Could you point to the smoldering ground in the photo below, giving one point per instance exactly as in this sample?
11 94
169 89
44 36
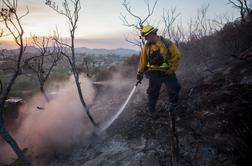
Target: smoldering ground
55 127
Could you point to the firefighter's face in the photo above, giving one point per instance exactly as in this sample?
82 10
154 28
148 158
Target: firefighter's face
151 38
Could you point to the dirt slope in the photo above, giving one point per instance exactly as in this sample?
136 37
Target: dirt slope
213 123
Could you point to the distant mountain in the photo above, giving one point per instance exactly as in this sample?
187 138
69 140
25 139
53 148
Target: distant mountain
102 51
82 50
28 49
31 49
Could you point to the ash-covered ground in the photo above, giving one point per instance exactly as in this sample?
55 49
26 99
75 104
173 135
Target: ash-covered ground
213 124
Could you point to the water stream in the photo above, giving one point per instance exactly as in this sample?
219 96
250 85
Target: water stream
115 116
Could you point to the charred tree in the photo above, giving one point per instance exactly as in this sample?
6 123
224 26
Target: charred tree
12 22
71 12
43 64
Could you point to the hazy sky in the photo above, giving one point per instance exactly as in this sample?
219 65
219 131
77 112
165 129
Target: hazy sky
100 25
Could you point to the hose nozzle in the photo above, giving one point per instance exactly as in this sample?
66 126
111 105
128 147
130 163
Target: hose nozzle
138 82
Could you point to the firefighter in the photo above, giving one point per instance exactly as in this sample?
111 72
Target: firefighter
159 60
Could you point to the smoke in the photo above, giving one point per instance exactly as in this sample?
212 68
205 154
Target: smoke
112 95
56 125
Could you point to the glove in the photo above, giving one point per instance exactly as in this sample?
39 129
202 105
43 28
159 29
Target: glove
139 77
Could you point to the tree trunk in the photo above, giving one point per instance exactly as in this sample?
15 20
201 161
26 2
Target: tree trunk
82 100
8 138
3 131
43 93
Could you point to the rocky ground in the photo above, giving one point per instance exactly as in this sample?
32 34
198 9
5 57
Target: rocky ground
213 124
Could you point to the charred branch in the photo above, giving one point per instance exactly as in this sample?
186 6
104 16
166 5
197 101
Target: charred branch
43 64
138 25
243 6
71 9
169 17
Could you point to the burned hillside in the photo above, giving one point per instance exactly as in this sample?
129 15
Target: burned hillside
60 106
212 120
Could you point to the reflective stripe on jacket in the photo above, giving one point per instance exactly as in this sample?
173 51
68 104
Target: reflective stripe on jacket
170 55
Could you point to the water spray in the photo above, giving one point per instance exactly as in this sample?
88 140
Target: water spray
114 117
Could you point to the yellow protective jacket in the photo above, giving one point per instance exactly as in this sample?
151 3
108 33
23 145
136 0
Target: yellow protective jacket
169 52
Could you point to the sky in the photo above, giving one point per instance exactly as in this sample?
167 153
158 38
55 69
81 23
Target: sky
100 24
